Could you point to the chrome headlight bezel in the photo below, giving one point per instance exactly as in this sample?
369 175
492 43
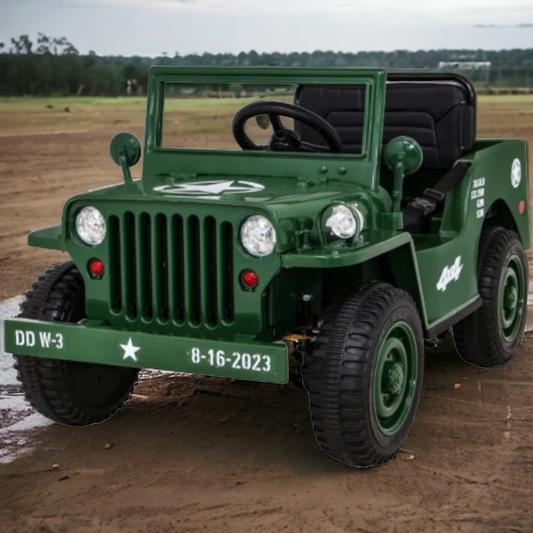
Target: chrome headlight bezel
258 236
342 222
90 226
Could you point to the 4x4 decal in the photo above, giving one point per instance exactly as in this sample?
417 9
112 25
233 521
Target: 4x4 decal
450 273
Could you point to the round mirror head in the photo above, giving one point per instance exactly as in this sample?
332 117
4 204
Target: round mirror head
125 144
404 149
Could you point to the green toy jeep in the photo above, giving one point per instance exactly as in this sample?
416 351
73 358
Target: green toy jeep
306 225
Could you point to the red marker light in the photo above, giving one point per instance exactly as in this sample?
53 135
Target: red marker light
96 267
521 207
250 279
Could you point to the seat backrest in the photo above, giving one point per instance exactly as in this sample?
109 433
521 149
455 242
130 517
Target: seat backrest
438 111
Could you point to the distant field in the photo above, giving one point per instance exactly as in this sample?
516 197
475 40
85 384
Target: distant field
506 98
506 116
202 119
31 102
21 102
38 116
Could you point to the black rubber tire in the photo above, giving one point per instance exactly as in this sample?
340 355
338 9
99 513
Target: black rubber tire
478 338
339 375
68 392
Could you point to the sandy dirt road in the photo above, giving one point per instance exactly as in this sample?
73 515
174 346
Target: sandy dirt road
243 457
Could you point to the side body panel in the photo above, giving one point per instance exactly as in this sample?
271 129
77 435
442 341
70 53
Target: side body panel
448 261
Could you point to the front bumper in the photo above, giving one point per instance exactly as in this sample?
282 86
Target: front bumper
88 343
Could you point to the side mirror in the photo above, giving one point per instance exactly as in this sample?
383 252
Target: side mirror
125 151
405 151
403 156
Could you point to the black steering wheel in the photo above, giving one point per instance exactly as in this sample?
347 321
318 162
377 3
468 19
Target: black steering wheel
283 139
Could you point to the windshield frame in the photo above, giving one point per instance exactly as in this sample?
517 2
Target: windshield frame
163 160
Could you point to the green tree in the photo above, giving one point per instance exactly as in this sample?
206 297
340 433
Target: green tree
55 46
22 45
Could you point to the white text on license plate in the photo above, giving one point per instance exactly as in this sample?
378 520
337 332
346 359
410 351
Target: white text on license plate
237 360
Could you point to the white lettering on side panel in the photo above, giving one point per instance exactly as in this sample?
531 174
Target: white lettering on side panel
478 195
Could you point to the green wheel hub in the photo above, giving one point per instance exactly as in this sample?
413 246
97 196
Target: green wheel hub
511 299
395 378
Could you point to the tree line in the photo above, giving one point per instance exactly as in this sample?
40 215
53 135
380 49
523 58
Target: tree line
53 66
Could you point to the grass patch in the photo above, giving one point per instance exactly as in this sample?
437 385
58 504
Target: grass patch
201 129
32 102
505 99
195 103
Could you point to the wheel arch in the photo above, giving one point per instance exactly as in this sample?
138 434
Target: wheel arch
500 214
384 268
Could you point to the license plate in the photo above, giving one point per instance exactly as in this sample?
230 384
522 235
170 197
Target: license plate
252 361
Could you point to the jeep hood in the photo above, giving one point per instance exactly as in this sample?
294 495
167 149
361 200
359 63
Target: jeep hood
281 196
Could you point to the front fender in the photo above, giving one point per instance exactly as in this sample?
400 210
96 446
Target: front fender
51 238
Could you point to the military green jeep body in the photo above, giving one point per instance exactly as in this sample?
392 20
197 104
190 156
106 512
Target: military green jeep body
369 221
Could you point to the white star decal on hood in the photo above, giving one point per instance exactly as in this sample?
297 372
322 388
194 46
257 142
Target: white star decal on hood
200 188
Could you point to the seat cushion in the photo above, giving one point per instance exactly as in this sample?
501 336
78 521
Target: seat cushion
342 107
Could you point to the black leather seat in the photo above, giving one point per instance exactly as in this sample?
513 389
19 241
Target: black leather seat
437 110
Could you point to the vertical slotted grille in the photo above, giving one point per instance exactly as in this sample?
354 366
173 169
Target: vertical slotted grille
129 265
210 271
144 274
173 269
226 265
116 301
192 269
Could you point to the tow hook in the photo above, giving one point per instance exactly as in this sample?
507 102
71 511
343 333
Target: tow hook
298 345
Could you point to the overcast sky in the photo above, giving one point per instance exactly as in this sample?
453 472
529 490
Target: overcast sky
150 27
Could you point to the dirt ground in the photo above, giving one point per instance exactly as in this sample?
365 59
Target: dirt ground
242 457
203 454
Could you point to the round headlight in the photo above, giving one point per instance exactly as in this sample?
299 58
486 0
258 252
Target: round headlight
342 222
258 236
90 225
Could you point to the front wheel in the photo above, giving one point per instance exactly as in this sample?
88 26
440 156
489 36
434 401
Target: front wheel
68 392
364 376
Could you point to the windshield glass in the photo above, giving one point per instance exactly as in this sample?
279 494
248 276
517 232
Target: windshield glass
199 115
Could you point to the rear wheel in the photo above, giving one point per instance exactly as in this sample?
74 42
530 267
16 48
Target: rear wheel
491 335
365 375
68 392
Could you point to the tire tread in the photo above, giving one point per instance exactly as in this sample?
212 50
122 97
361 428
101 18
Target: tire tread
336 371
477 337
44 381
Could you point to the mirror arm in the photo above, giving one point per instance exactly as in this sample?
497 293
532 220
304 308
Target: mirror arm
399 175
403 156
125 169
